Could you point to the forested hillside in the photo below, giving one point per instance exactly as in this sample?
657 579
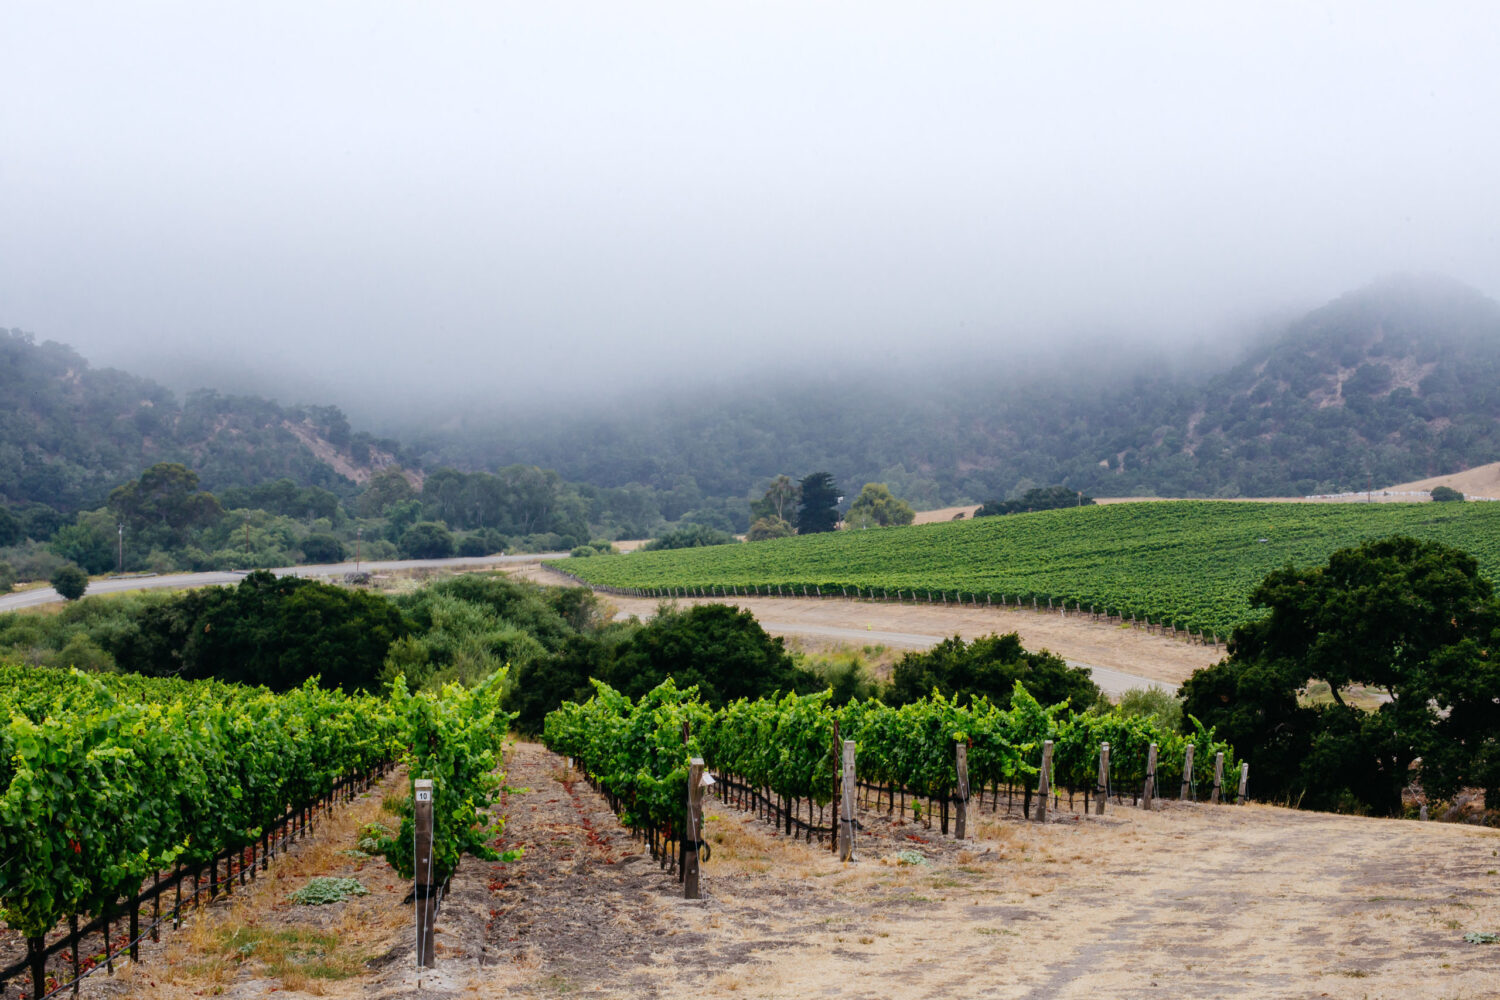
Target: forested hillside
1396 381
70 433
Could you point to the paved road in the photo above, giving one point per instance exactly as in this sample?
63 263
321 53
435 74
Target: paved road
46 595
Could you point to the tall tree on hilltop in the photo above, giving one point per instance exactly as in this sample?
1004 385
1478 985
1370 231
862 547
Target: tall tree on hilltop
819 510
875 507
779 503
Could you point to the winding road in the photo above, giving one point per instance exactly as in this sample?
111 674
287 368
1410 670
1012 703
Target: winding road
1118 661
176 581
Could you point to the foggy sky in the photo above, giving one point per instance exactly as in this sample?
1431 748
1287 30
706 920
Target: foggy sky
511 195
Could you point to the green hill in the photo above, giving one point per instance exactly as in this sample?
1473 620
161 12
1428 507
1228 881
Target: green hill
1189 563
70 433
1394 382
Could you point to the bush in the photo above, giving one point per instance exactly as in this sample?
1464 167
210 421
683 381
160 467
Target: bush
582 552
485 542
322 549
70 582
427 540
990 666
690 536
1153 703
1446 494
1048 498
32 560
7 578
769 527
843 673
721 649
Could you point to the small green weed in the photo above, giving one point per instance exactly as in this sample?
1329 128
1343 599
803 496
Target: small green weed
371 835
323 890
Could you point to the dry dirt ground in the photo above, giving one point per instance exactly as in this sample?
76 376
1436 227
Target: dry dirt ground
919 626
944 514
1188 901
1482 480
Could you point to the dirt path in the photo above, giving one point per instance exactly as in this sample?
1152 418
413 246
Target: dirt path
1187 901
1190 901
1125 651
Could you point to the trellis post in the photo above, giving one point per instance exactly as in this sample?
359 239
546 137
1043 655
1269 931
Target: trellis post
690 888
1150 790
846 821
961 765
1044 782
1101 793
422 863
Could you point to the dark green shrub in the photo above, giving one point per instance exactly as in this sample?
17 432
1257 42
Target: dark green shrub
70 582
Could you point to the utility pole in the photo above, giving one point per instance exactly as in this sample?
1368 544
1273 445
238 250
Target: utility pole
120 527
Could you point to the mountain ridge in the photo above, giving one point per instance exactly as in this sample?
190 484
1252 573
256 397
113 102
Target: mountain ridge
1393 382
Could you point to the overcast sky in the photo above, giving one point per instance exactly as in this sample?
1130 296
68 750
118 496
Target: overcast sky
506 193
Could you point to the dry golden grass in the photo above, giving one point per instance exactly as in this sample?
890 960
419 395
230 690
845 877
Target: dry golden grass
257 934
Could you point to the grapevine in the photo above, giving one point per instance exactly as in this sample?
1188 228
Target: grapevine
1184 565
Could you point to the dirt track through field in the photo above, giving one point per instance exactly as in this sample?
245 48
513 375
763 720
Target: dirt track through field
1140 656
1187 901
1190 901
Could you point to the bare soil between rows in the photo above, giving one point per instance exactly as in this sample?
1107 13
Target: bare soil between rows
1187 900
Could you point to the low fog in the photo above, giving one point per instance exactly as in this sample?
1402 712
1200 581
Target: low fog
418 206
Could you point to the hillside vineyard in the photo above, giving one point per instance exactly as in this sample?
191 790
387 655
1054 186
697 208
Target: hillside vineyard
1189 564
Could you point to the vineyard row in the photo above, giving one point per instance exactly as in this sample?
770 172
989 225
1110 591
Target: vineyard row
781 757
108 781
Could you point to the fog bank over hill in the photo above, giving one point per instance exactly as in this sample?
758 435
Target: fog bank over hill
1396 381
395 205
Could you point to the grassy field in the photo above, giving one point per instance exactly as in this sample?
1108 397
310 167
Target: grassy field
1191 563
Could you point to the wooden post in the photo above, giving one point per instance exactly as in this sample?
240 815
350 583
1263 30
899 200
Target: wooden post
1102 791
422 861
1187 773
1044 782
1244 781
846 821
1218 777
690 888
1150 791
73 943
837 747
961 764
36 959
